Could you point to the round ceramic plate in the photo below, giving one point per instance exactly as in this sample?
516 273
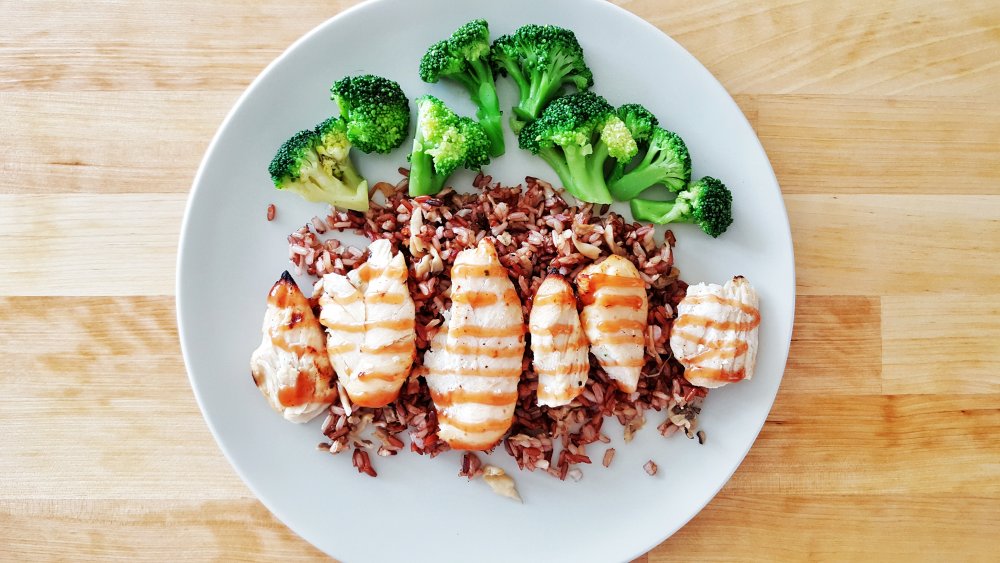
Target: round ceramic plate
418 508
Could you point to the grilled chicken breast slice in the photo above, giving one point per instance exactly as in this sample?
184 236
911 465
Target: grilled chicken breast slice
559 347
475 360
614 315
369 318
290 367
715 334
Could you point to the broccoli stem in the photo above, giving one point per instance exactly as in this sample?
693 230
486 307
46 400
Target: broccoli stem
635 182
523 85
494 130
586 185
482 89
660 212
598 159
351 175
539 92
552 157
543 88
423 179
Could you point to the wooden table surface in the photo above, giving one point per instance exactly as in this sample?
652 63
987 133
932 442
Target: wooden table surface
882 121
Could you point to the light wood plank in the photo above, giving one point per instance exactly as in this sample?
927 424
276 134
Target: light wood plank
144 530
836 346
756 526
942 346
145 45
113 416
106 142
122 244
89 327
852 144
911 47
872 445
876 527
895 245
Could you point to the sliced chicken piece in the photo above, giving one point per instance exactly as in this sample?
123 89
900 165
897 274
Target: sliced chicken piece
558 344
614 317
474 362
715 334
369 317
290 367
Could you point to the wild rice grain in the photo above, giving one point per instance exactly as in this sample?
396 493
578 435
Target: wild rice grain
609 454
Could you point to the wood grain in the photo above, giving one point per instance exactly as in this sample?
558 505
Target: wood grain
899 47
841 528
872 445
106 142
117 406
885 245
828 331
79 245
923 146
947 345
123 530
880 119
145 45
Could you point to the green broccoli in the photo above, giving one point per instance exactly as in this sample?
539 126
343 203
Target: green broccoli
707 203
666 162
541 59
375 111
641 123
316 164
465 58
576 135
444 141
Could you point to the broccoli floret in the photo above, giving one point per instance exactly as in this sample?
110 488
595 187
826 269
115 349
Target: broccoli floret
541 59
444 142
316 164
666 162
576 135
465 58
375 111
641 123
707 203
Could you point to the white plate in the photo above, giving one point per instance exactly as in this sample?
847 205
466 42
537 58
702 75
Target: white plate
418 508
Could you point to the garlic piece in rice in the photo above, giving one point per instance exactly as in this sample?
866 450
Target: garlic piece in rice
417 244
501 483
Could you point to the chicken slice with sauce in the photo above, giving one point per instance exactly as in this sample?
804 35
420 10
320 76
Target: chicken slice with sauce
290 367
559 347
369 317
474 363
715 334
614 314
